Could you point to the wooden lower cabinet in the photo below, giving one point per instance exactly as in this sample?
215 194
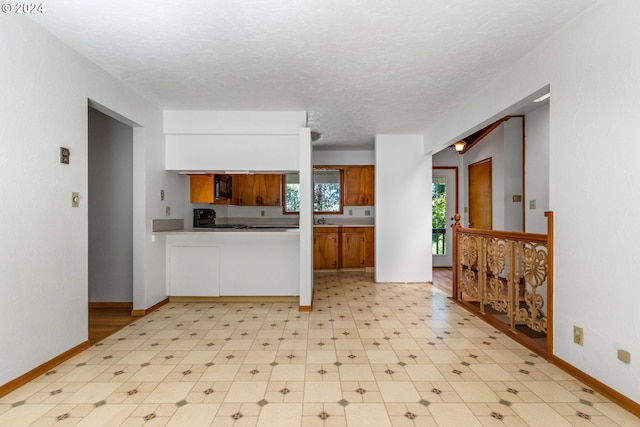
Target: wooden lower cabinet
325 249
343 247
353 245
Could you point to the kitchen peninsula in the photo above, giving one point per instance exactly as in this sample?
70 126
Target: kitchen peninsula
232 262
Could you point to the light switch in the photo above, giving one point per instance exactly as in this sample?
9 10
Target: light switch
516 198
161 195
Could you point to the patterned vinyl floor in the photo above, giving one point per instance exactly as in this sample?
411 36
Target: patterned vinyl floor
367 355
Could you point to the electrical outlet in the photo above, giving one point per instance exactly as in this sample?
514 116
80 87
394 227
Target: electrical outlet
167 211
262 212
578 335
350 212
532 204
367 212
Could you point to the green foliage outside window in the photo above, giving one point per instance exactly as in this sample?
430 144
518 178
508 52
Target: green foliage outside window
326 192
438 205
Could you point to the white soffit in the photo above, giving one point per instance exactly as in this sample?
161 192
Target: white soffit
357 67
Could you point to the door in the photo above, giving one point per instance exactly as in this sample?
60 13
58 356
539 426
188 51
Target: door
353 250
325 250
444 194
480 199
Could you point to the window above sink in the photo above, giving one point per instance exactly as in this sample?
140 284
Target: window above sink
327 191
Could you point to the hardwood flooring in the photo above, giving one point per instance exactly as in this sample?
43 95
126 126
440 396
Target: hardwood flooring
104 321
443 279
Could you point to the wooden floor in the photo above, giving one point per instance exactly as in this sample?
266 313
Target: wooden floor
104 321
443 279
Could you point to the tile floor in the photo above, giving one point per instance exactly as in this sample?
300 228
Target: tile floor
368 355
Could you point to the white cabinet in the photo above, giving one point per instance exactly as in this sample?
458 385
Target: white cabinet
232 263
194 271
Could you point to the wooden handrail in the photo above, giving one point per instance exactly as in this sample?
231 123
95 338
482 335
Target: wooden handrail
513 278
512 235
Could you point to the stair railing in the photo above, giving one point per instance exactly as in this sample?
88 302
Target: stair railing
507 279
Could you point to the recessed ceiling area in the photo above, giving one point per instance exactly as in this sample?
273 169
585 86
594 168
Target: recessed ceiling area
359 68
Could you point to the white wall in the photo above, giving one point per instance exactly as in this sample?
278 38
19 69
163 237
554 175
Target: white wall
504 147
44 268
591 67
403 209
512 158
490 147
537 167
110 209
343 157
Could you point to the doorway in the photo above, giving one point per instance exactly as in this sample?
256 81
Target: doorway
444 195
110 220
480 195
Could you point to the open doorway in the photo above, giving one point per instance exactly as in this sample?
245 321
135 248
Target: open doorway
110 219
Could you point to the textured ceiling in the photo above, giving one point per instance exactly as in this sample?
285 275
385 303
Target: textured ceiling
359 67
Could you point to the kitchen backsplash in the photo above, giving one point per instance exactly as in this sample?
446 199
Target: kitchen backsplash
231 211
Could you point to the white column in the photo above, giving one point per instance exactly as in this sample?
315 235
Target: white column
403 209
306 218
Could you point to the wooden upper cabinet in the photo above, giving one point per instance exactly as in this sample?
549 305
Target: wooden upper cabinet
359 185
202 190
257 190
242 189
271 190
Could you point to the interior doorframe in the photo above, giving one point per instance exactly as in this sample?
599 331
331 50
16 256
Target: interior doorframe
139 204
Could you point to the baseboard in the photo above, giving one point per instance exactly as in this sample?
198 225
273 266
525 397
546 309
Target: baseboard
308 307
138 313
44 368
111 305
240 298
603 389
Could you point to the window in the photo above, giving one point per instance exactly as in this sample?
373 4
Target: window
327 191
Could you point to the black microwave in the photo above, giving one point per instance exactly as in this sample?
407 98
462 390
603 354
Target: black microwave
222 186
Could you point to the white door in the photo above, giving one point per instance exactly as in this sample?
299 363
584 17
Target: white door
443 193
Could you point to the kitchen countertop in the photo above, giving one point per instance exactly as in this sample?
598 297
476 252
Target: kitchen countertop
227 230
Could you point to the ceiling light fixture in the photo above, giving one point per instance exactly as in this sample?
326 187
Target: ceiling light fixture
459 146
543 97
